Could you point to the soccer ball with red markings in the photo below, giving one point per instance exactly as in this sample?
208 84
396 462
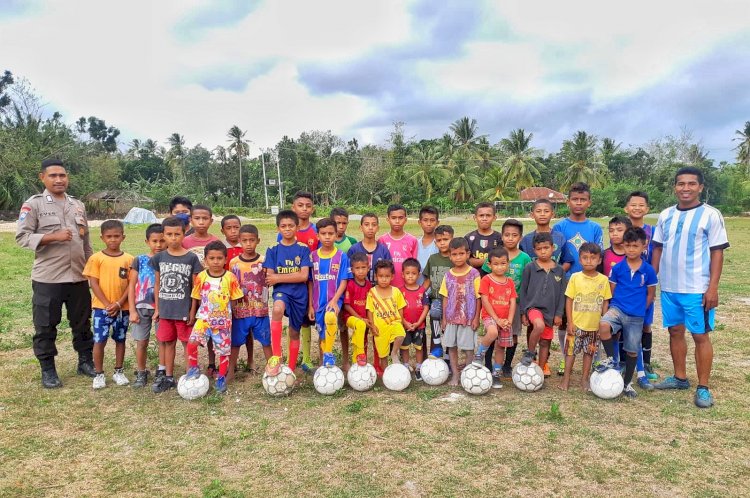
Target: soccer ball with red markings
193 388
529 378
476 379
434 371
328 380
607 384
281 384
361 378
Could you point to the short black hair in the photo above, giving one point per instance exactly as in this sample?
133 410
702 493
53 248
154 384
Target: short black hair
637 193
202 207
359 257
441 229
458 243
301 194
483 205
52 161
580 188
112 225
590 248
385 263
173 221
215 245
512 223
635 234
230 217
411 263
690 170
249 229
180 200
621 220
339 211
498 252
153 228
369 215
429 210
324 223
542 237
543 201
395 207
287 214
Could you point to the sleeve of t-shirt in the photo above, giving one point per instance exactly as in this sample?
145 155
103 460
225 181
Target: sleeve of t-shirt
306 257
484 285
347 295
235 292
92 267
658 237
486 266
476 287
415 248
196 294
426 269
561 302
426 297
369 304
570 290
525 276
197 266
651 278
607 292
154 262
346 273
513 294
443 288
717 233
135 265
598 235
398 299
613 274
269 261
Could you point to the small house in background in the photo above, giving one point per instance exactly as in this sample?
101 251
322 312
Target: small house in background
114 202
526 198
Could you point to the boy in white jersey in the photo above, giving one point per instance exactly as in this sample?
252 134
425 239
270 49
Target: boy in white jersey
689 243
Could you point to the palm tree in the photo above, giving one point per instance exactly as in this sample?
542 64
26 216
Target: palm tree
176 155
240 147
465 134
497 182
581 161
743 149
466 180
135 148
522 161
426 168
149 147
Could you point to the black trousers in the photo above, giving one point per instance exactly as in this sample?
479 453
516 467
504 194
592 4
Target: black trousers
47 301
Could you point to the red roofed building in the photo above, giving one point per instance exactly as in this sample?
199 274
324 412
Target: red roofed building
532 194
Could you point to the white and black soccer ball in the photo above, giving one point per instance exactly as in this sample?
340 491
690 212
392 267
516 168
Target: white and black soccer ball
396 377
193 388
607 384
361 378
328 380
434 371
281 384
529 378
476 379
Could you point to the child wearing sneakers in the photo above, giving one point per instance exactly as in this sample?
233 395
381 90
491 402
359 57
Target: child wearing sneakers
141 300
498 309
587 296
250 314
633 284
328 277
355 309
437 266
108 271
610 257
542 299
175 269
385 308
415 314
461 306
213 291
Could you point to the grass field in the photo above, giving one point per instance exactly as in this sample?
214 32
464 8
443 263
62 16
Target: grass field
421 442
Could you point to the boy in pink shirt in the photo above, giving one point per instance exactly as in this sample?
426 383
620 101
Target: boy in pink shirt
400 244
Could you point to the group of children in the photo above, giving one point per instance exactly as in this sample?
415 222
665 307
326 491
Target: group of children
225 294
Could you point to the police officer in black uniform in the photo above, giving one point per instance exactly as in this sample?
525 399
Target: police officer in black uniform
54 226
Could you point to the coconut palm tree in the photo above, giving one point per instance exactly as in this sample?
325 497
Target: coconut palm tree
176 155
465 180
522 161
240 147
581 161
743 149
497 182
466 136
426 168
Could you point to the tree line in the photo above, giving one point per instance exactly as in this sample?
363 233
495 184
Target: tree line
456 170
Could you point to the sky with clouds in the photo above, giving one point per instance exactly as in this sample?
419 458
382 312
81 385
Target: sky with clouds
629 70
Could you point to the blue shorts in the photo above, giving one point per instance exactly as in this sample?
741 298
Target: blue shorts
631 327
103 324
257 326
295 310
686 309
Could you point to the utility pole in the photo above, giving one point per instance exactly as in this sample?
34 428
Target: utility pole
281 185
239 163
265 182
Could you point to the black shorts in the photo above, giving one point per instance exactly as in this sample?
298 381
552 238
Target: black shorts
414 338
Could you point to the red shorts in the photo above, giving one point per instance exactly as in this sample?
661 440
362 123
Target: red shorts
171 330
534 314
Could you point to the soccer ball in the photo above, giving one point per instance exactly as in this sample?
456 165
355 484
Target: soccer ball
280 384
529 378
434 371
361 378
396 377
476 379
193 388
328 380
608 384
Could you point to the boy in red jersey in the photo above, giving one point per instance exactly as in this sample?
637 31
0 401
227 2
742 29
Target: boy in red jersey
415 314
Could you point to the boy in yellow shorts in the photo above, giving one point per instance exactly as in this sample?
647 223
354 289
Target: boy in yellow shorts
385 310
